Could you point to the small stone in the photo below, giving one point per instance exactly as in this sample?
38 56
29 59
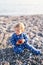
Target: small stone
40 34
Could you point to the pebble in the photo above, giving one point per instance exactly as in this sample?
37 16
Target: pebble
34 29
40 34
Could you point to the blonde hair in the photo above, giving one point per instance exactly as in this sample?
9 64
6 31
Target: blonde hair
20 25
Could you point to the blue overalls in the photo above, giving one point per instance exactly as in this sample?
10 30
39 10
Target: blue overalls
19 48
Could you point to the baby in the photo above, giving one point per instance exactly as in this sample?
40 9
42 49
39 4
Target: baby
20 40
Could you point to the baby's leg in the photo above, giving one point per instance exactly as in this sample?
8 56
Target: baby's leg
32 49
17 50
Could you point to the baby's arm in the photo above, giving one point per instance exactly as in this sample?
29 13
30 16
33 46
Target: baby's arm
12 39
26 37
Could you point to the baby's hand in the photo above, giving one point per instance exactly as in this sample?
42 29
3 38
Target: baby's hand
23 40
20 41
17 43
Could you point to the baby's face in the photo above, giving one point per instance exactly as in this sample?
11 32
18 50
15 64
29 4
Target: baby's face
18 31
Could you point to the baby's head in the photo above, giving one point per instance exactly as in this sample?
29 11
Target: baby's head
19 28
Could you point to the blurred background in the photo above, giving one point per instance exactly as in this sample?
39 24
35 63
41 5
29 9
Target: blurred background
21 7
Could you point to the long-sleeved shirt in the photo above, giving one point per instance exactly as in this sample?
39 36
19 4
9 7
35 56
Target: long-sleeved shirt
21 47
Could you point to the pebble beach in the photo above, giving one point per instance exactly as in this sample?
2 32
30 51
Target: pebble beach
33 28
